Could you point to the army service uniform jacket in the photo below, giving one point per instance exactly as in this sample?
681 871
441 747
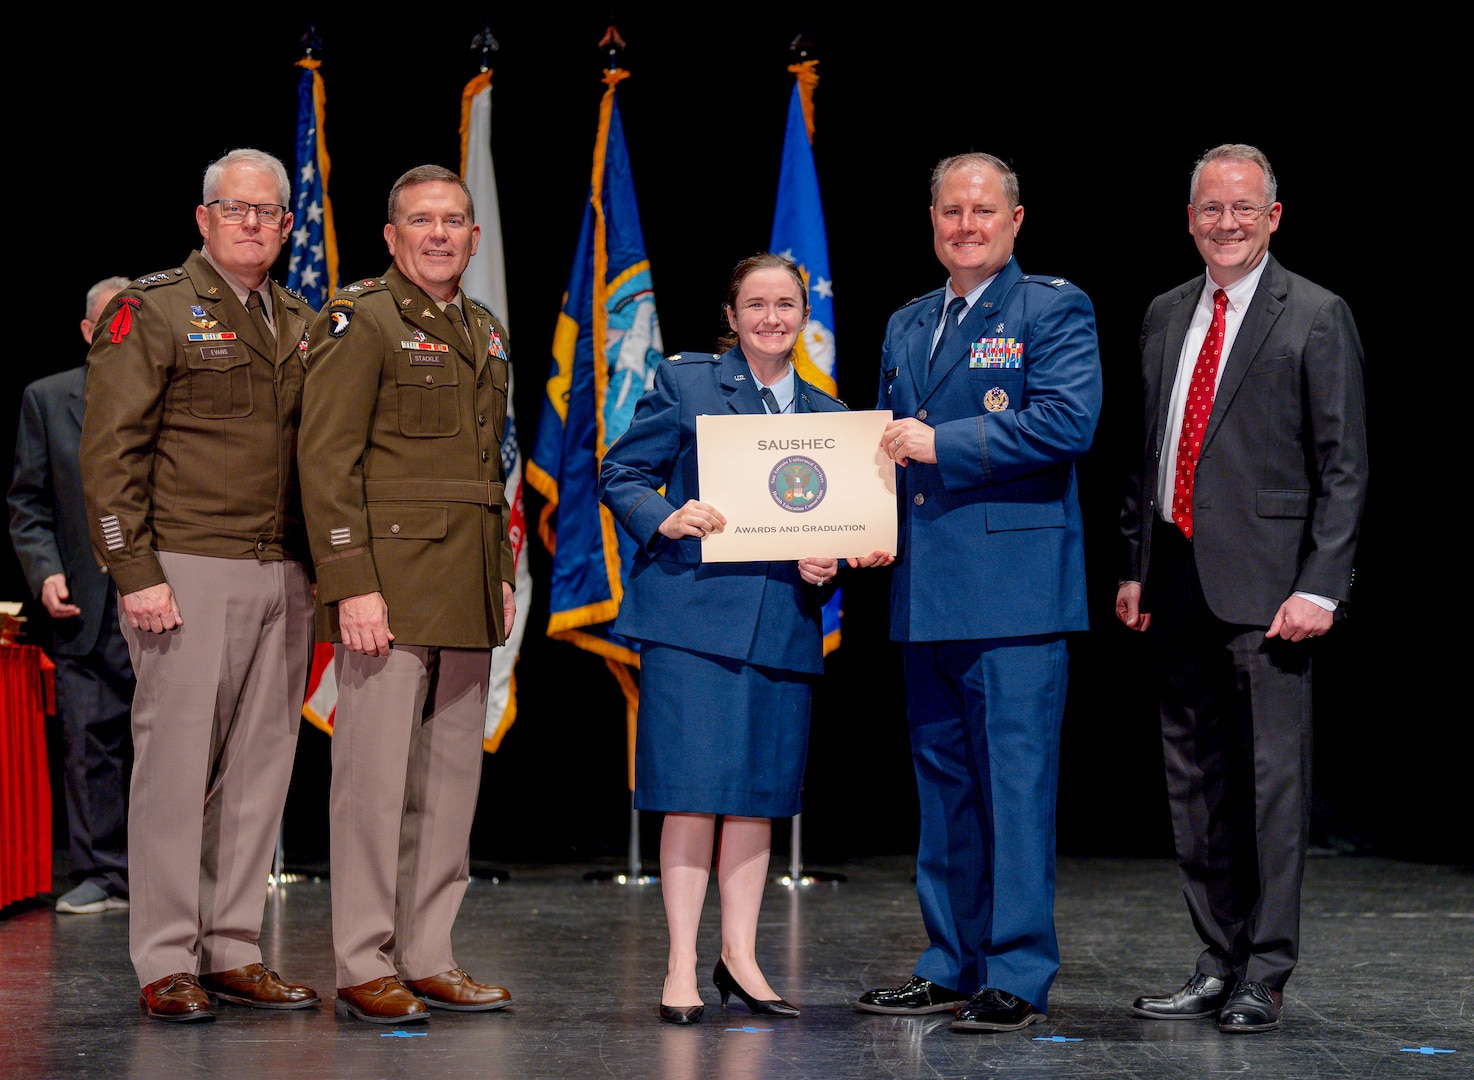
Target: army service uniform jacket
190 436
402 423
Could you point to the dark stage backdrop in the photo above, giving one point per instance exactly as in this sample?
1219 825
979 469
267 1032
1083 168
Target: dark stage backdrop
1103 131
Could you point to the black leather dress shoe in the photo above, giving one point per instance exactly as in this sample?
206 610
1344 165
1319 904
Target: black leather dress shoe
728 986
914 998
996 1010
1202 995
682 1014
1251 1007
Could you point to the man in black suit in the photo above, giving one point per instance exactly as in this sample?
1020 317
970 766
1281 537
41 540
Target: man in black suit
94 677
1240 524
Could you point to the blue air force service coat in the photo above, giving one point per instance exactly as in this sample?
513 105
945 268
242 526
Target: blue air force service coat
760 612
991 543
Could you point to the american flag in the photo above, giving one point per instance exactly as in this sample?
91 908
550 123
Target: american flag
313 270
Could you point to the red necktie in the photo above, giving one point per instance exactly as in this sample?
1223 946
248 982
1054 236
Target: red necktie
1195 413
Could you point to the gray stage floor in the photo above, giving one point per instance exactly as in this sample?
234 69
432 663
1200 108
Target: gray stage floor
1385 988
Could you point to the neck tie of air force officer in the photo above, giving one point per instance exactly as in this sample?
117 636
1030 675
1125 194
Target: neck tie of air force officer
949 327
769 399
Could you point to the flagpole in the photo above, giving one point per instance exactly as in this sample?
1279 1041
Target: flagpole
312 272
484 280
798 231
605 350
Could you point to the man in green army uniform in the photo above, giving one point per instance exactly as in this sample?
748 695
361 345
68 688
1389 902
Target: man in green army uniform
194 392
402 418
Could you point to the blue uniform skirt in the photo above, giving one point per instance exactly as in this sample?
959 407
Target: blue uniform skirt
719 736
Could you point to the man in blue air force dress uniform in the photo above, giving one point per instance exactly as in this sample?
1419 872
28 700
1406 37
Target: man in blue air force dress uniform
995 384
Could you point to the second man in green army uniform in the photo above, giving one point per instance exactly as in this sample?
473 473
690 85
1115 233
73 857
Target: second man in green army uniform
403 411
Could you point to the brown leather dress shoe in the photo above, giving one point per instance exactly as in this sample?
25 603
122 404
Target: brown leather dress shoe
458 991
380 1001
177 999
258 986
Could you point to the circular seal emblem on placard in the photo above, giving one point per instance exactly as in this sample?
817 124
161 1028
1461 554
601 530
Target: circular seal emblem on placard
797 484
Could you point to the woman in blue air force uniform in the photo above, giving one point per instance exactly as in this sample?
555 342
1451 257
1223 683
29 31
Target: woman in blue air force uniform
728 650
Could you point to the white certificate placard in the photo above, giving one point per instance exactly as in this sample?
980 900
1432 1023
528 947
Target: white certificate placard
797 485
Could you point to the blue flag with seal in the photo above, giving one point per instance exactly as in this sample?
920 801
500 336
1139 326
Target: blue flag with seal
605 352
313 270
798 232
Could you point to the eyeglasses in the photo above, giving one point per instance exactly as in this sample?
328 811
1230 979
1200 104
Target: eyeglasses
233 210
1242 212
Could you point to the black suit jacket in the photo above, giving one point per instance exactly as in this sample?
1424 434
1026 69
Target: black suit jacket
1282 477
48 519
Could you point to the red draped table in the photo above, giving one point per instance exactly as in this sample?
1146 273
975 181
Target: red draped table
27 695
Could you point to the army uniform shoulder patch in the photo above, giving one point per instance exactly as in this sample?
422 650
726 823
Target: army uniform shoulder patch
122 321
338 319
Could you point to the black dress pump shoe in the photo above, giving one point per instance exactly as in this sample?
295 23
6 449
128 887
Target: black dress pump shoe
727 986
681 1014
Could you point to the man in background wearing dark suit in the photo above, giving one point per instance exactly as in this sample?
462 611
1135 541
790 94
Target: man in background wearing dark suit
94 677
1240 524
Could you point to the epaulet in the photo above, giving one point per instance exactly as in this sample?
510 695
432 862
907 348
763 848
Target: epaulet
365 286
163 277
825 393
695 357
928 297
296 295
1035 279
482 305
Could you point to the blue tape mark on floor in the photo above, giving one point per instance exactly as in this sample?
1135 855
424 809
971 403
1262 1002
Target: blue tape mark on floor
750 1030
1426 1050
403 1034
1055 1038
